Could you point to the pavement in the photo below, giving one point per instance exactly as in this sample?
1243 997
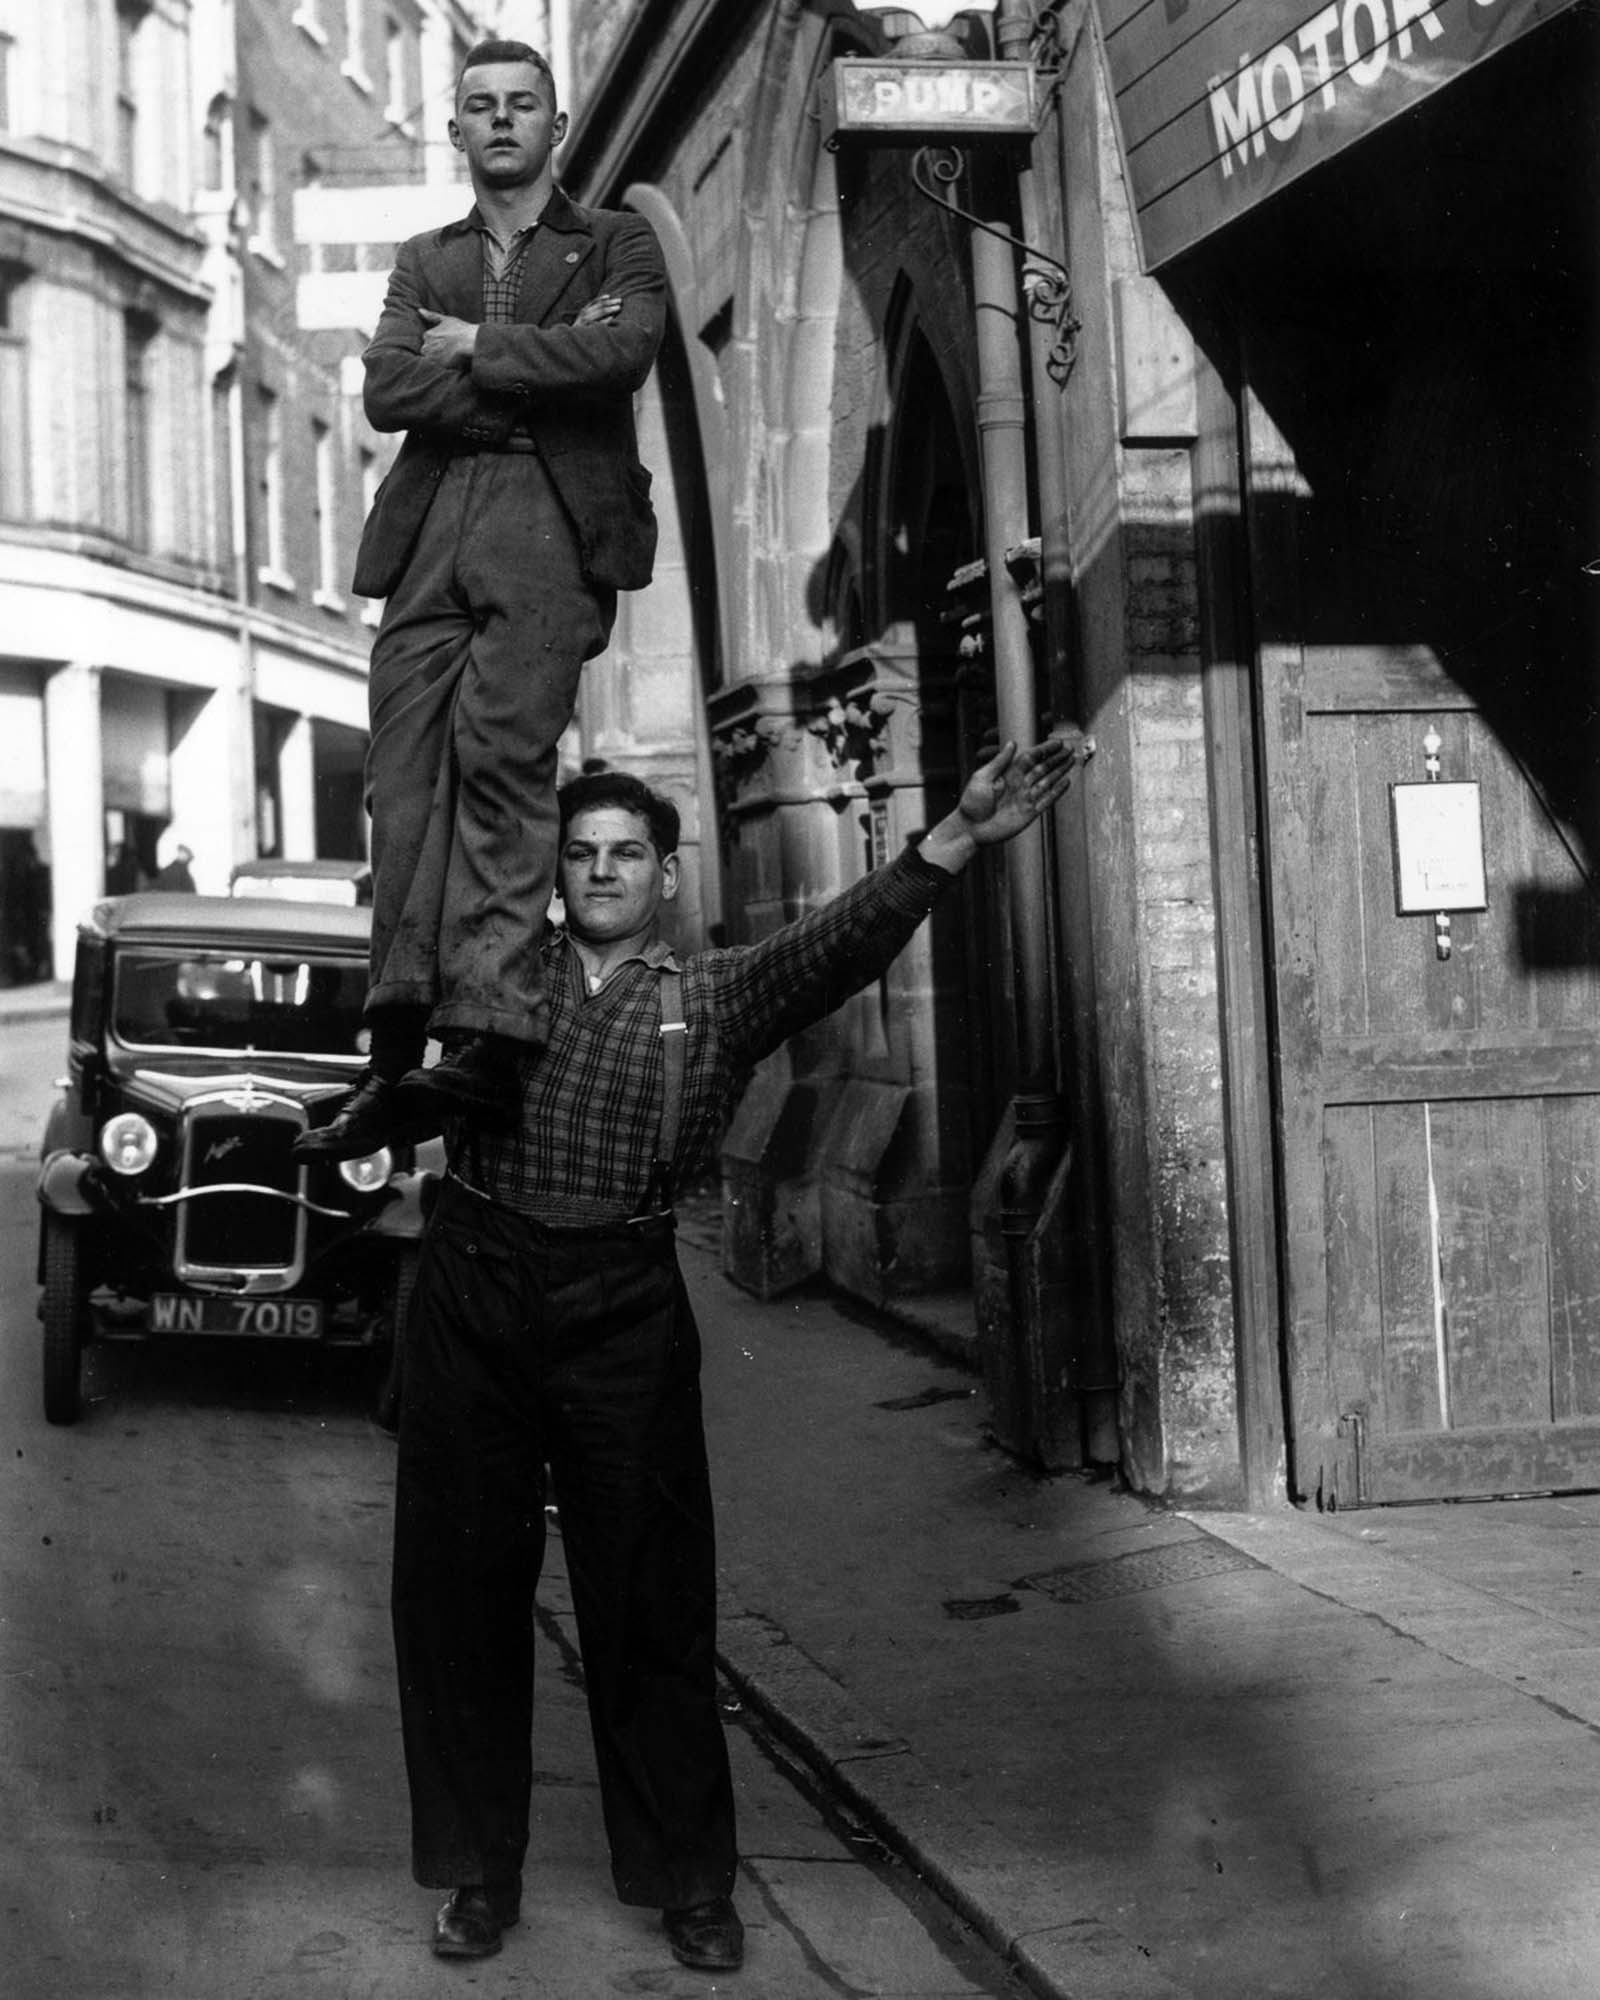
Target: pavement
1149 1752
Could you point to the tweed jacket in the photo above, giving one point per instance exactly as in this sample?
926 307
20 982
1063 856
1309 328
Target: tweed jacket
571 387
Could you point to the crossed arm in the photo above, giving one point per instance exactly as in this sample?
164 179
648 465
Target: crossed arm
431 371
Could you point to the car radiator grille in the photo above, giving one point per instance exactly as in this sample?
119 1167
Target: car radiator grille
249 1231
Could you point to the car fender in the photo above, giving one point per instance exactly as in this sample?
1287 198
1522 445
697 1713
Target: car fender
67 1128
66 1183
406 1214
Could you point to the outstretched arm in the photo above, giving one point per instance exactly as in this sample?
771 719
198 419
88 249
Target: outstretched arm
1002 797
796 975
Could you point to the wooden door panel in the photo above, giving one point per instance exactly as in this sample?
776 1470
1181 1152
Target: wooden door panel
1381 1299
1488 1163
1341 959
1572 1183
1473 1464
1463 1279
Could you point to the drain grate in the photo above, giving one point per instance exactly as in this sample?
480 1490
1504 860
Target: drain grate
1143 1569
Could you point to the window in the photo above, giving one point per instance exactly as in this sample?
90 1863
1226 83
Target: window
138 342
273 571
130 19
308 19
216 150
326 504
263 192
394 71
355 44
7 51
13 396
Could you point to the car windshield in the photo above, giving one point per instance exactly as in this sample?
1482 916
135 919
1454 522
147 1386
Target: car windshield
211 1000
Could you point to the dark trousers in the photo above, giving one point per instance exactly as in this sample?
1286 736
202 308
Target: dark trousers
474 676
576 1350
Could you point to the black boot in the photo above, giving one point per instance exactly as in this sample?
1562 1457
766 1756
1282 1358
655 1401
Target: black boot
371 1116
470 1924
707 1936
477 1078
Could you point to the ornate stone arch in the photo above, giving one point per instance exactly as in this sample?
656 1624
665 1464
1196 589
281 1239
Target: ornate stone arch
705 390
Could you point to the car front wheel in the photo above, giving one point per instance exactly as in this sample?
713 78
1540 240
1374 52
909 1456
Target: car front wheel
65 1303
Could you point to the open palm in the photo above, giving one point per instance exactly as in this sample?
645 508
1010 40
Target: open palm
1013 789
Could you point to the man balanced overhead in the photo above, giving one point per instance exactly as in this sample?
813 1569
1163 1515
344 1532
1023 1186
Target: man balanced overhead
550 1327
509 349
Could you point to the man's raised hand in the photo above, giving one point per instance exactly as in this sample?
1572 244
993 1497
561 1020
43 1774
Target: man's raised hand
1014 788
1002 797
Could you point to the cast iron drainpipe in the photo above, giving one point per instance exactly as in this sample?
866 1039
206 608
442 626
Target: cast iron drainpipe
1038 1121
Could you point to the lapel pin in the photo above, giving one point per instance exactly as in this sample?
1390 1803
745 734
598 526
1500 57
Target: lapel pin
573 256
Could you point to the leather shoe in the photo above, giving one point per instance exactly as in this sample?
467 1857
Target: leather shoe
372 1116
476 1078
707 1936
470 1924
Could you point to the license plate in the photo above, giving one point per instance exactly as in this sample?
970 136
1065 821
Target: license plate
267 1319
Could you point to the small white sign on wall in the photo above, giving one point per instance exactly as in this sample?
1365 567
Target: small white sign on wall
1438 848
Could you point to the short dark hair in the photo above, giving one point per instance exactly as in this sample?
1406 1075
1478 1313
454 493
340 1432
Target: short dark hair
495 50
621 789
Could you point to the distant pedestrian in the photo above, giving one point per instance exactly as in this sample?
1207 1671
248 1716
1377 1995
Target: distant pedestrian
550 1326
175 875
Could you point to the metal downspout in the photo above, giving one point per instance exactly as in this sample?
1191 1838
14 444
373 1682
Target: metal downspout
1044 224
1038 1127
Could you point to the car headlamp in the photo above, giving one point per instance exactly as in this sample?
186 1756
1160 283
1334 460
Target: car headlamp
369 1173
127 1143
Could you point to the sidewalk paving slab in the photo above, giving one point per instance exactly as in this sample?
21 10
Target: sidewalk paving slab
1273 1755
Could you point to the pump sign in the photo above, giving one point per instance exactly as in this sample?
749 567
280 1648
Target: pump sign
1222 102
910 102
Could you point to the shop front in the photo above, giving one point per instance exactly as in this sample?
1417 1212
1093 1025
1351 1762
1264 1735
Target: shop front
1392 286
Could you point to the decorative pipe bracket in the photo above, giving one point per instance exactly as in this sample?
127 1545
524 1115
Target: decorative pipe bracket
1046 281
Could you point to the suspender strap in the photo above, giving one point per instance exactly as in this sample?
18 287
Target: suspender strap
674 1037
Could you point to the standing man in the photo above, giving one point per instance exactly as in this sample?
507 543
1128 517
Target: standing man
509 349
550 1326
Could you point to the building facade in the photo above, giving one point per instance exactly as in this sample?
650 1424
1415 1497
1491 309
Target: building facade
184 466
1257 450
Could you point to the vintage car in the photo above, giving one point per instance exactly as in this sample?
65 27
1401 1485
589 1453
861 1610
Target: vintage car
206 1033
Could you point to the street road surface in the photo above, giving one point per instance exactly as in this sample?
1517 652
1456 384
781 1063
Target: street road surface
200 1776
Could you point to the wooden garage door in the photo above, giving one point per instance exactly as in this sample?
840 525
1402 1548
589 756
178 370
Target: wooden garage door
1448 1125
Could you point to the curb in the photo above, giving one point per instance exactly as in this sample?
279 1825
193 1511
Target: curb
36 1004
1012 1899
